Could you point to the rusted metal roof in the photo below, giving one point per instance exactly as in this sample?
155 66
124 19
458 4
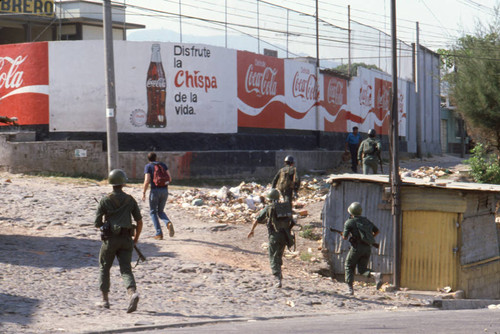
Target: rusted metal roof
411 181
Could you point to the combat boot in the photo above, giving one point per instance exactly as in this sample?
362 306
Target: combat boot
277 284
105 301
378 279
350 290
134 300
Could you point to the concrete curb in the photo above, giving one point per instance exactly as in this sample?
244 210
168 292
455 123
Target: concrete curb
198 323
463 304
451 304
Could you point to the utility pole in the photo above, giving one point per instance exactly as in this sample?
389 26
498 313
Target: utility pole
318 120
394 176
349 40
111 129
418 95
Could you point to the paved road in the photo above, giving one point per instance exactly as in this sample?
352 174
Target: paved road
428 321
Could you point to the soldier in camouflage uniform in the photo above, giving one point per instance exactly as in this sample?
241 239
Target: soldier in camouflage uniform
369 153
360 252
278 238
117 209
287 180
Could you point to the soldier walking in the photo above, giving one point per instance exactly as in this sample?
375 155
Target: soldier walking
369 153
287 180
117 232
278 218
361 233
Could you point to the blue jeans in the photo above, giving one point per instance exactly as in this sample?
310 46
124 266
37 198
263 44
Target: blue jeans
157 201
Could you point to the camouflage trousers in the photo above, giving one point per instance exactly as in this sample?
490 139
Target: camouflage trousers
370 165
357 257
277 244
121 247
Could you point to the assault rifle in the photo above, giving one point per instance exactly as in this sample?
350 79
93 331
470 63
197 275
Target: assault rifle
141 257
352 240
380 161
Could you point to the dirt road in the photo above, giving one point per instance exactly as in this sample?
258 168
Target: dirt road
209 270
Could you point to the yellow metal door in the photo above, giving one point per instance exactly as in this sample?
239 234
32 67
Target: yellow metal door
429 256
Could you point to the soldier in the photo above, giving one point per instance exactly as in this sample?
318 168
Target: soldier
362 232
117 232
278 218
287 180
369 153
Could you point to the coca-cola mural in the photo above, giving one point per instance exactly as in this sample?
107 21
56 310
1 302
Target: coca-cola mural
369 102
302 95
275 93
261 91
160 87
337 112
174 87
24 82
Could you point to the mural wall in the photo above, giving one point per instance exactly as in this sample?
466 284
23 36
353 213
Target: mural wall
173 87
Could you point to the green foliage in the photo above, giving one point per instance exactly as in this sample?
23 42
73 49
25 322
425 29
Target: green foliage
485 167
474 82
308 233
354 68
305 256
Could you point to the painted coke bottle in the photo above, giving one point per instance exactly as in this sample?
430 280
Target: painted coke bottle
156 86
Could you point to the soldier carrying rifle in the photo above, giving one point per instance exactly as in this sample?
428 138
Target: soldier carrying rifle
278 218
369 153
118 237
361 233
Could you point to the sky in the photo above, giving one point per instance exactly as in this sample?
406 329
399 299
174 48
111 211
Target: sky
289 26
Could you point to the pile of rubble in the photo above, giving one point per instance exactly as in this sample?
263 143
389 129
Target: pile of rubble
240 204
432 173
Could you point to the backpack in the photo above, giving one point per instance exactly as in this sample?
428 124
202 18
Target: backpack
286 180
372 147
281 215
160 175
365 231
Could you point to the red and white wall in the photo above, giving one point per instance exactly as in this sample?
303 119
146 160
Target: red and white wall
209 90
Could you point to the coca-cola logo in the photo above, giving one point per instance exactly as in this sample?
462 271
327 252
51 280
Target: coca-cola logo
10 75
365 94
335 92
401 103
158 83
262 83
305 85
383 98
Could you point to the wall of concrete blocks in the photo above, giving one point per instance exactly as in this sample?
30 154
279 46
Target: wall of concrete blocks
19 154
481 281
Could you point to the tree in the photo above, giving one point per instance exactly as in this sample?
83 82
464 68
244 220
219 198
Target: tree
354 68
475 83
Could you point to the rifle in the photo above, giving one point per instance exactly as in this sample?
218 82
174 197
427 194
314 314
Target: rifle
352 240
380 161
141 257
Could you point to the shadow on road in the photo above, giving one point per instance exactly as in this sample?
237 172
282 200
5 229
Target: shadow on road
234 248
17 309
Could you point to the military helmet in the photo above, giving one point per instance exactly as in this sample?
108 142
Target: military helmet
372 133
289 159
273 195
117 177
355 209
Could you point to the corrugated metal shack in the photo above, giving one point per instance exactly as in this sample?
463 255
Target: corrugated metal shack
449 233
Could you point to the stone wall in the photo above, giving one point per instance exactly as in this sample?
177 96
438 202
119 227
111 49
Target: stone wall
481 280
87 158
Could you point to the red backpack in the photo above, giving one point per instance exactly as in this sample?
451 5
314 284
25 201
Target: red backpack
160 175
